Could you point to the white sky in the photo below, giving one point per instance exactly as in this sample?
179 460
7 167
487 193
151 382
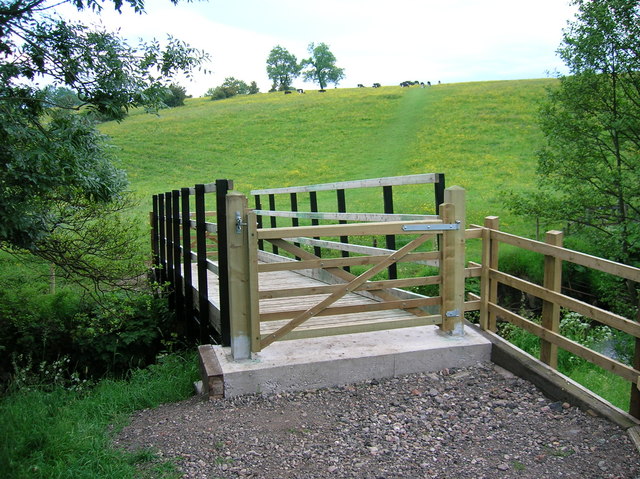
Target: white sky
373 40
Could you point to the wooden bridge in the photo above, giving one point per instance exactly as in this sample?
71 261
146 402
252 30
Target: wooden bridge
255 276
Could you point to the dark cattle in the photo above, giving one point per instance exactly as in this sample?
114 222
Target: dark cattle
404 84
300 90
429 83
360 85
376 85
287 92
421 84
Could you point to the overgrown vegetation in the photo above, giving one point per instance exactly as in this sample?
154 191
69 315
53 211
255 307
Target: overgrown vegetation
65 430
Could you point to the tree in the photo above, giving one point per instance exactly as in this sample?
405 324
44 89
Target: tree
61 197
589 170
282 68
321 67
232 87
175 95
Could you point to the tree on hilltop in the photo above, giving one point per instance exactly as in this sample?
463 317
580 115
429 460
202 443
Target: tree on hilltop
321 67
282 68
60 193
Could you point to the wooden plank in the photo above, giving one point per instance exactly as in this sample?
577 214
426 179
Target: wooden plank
362 327
369 285
238 273
339 262
344 185
357 308
590 355
551 310
362 217
340 274
354 248
473 233
346 288
452 262
600 264
585 309
252 257
359 229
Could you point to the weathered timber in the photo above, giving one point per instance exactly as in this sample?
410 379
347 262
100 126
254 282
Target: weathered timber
551 310
344 185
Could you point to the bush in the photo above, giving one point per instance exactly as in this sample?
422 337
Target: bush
175 96
112 335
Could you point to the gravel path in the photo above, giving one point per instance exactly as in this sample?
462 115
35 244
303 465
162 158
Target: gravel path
478 422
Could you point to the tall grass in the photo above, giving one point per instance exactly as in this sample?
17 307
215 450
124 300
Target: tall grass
63 433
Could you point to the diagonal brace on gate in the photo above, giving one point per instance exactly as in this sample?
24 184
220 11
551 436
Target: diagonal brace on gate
345 289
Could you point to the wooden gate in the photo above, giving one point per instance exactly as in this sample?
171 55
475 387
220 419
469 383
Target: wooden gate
339 308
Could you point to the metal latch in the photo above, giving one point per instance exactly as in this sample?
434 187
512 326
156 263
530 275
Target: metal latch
453 313
239 223
436 227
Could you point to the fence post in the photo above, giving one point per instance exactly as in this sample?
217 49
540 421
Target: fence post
488 287
551 311
222 188
155 239
170 275
238 276
201 248
177 256
162 241
387 198
452 262
187 274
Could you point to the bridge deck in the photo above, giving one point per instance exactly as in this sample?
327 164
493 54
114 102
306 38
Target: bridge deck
319 325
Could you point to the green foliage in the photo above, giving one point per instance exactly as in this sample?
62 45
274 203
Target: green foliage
282 68
38 329
58 433
592 335
232 87
589 169
321 66
175 96
59 184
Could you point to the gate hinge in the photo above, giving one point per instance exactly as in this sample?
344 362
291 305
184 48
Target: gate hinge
453 313
436 227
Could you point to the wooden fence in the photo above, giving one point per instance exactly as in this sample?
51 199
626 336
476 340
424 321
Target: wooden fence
329 250
550 292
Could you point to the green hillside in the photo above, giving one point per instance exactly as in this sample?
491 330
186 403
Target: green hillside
482 135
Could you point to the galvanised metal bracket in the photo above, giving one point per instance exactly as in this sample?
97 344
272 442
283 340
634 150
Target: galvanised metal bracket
436 227
453 314
239 223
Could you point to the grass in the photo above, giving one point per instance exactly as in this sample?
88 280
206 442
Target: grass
482 135
62 433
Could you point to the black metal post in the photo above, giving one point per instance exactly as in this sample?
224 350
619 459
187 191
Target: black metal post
155 239
169 234
342 208
162 274
294 221
387 193
313 202
177 263
222 187
273 220
187 275
258 203
201 246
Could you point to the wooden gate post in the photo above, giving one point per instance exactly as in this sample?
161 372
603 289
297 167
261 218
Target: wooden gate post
551 311
453 262
239 276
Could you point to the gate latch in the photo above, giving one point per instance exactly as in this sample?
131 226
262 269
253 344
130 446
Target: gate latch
239 223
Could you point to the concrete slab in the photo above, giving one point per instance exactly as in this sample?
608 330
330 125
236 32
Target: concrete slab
336 360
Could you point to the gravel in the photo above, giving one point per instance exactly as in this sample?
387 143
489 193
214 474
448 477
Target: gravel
478 422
